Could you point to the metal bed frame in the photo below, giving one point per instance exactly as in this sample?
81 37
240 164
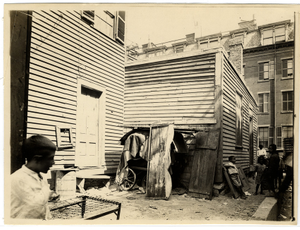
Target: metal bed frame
84 207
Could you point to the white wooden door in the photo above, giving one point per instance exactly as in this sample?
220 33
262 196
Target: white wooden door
88 140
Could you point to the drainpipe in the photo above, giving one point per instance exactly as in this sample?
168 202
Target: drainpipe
272 102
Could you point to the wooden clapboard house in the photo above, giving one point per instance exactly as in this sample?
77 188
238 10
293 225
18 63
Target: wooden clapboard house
198 91
67 83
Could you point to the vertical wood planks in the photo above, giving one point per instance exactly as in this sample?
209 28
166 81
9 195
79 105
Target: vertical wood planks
159 182
204 164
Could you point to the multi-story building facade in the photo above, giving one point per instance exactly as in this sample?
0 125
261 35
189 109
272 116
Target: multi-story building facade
269 73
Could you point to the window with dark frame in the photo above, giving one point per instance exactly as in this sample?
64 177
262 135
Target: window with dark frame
268 37
273 35
263 71
287 101
239 118
263 133
179 49
263 102
88 16
285 131
287 68
279 34
120 33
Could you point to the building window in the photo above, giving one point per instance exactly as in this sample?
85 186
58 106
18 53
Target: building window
239 118
204 44
263 136
282 133
88 16
263 102
279 34
287 68
287 101
271 36
268 37
263 71
279 139
120 30
179 49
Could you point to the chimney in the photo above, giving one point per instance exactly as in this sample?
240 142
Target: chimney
190 38
250 25
236 52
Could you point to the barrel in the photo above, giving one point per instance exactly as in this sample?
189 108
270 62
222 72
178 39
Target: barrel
65 185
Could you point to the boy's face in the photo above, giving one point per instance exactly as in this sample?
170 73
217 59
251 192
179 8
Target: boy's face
233 160
46 162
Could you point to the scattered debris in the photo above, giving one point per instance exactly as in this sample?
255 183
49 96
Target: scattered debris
150 206
219 186
178 191
284 217
141 190
247 193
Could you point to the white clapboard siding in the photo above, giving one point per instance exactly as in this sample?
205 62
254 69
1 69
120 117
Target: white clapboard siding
63 49
232 83
178 89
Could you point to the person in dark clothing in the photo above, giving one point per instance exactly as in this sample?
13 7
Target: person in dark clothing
234 176
260 169
273 168
288 158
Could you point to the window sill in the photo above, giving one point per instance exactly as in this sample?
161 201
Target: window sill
261 81
286 78
283 112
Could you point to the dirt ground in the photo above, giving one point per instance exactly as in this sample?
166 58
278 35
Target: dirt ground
180 206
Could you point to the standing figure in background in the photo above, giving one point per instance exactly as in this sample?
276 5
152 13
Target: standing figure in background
234 176
262 151
273 168
260 169
29 190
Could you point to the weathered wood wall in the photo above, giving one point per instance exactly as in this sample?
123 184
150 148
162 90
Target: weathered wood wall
179 90
20 25
64 49
232 84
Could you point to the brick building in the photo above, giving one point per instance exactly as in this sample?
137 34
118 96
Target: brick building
269 73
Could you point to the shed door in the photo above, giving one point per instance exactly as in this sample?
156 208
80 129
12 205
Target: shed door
88 127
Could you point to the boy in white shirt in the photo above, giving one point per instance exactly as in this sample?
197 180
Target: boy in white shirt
29 191
262 152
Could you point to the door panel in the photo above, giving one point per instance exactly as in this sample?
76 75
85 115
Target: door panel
88 127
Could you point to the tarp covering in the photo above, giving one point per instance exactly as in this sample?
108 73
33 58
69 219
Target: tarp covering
136 146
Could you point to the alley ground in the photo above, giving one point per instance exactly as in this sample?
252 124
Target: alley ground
181 207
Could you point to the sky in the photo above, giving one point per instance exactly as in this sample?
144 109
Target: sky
170 22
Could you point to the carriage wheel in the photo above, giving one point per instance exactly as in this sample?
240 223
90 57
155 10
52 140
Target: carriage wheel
129 179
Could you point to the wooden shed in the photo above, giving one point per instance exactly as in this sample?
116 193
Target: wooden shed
72 82
197 91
